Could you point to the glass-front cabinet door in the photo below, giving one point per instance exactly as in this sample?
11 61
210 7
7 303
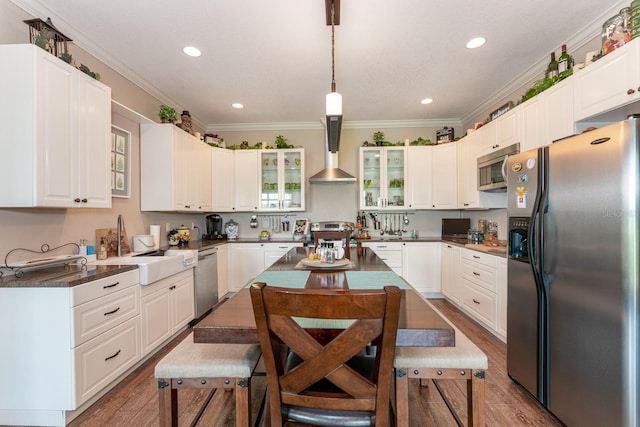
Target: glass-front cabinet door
383 172
282 180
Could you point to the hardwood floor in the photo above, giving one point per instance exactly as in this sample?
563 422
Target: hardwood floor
135 401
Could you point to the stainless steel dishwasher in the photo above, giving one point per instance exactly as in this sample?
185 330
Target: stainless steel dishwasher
206 281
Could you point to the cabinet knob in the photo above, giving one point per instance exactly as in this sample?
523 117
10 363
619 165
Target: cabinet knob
84 200
630 92
475 301
77 200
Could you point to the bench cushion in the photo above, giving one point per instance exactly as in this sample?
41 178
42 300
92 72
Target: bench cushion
464 355
197 360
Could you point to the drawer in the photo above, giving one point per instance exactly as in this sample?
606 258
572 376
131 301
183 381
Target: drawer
480 274
480 303
383 246
102 287
101 360
393 259
480 257
99 315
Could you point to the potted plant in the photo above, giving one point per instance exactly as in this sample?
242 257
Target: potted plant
167 114
378 137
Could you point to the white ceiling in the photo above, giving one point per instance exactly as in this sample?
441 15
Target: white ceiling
275 56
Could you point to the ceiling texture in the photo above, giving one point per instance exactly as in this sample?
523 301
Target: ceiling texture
275 56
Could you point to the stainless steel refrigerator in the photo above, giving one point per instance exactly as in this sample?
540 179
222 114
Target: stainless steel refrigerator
573 294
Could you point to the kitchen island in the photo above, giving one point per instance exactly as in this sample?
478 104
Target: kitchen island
419 324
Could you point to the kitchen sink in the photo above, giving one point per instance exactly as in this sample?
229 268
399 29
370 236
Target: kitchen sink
153 268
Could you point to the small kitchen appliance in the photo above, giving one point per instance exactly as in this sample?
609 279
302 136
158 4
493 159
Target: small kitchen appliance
214 228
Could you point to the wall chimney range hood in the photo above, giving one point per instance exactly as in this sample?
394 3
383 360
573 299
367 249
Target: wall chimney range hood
331 171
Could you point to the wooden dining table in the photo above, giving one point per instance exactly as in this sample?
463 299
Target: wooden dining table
419 325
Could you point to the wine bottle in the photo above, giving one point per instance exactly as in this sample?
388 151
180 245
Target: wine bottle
564 61
552 68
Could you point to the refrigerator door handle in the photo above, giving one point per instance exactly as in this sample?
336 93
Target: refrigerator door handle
504 168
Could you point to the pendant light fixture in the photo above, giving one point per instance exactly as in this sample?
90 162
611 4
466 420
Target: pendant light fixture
334 99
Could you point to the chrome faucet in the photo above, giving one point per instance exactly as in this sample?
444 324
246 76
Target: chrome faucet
119 232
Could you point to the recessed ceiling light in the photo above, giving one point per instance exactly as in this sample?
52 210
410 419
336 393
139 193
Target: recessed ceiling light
237 105
426 101
476 42
192 51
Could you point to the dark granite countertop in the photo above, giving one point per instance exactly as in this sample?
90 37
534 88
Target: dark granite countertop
61 277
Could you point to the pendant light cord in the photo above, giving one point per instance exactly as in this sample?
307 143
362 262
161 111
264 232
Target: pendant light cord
333 55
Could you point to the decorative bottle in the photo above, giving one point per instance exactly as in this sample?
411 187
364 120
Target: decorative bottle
564 60
552 68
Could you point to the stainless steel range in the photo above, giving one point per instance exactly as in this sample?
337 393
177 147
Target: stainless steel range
332 226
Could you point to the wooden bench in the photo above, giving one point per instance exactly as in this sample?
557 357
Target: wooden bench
193 365
464 361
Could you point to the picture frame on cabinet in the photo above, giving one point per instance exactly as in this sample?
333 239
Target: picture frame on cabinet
120 162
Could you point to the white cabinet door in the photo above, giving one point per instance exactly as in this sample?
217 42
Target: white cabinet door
246 261
56 131
444 176
419 178
223 270
531 129
501 326
223 180
204 178
421 265
451 272
282 180
383 174
608 83
557 111
182 302
274 251
467 171
508 128
246 180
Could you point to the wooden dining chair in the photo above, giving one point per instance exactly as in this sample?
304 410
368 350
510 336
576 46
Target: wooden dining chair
331 385
334 235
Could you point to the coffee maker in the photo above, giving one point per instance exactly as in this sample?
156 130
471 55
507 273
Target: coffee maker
214 228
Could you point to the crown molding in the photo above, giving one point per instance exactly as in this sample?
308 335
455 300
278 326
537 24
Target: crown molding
371 124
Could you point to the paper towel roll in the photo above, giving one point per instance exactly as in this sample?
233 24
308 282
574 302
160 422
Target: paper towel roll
154 230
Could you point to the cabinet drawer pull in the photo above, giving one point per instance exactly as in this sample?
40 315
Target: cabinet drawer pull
172 287
111 357
630 92
112 311
476 257
381 246
475 301
111 286
476 274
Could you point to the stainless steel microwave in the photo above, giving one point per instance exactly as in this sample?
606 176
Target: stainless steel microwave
491 173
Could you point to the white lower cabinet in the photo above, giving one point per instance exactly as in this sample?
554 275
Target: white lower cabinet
476 282
451 278
246 261
223 270
421 265
389 252
274 251
66 345
166 307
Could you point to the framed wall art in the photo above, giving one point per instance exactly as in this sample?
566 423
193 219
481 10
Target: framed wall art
120 162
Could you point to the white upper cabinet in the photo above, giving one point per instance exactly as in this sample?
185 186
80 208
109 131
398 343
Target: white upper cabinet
175 170
282 182
444 177
223 180
419 178
246 178
608 83
56 124
383 173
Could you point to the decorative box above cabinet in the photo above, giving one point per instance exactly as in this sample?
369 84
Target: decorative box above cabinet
175 171
56 127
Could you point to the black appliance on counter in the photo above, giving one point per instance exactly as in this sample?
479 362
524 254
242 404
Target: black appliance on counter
455 228
214 228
